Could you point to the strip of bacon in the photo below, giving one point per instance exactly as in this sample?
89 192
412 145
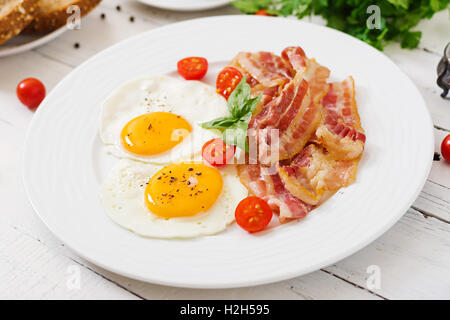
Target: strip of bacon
313 175
266 74
296 57
294 113
341 132
264 67
269 187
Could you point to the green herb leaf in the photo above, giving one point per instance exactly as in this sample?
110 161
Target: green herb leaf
236 135
219 123
234 127
411 40
238 98
398 17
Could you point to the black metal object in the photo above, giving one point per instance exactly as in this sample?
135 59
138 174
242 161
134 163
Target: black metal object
443 71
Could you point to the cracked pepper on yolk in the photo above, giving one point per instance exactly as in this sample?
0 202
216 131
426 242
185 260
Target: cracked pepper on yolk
154 133
183 189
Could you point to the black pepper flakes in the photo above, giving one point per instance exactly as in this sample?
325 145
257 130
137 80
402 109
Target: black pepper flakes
119 8
103 16
191 169
76 45
198 173
131 19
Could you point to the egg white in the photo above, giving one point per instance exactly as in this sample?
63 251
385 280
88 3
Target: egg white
123 194
196 102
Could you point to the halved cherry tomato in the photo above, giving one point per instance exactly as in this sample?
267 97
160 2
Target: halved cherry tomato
192 68
227 81
253 214
445 148
262 12
217 153
31 92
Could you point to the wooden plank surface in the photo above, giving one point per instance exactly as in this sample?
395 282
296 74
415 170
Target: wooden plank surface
413 257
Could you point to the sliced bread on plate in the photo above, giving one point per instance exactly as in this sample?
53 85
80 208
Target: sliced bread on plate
52 14
15 15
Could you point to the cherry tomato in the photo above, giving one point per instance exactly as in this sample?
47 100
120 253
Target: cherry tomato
217 153
227 81
253 214
192 68
31 92
262 12
445 148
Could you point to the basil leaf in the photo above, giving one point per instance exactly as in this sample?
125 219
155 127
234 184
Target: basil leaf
219 123
236 135
248 107
238 97
241 107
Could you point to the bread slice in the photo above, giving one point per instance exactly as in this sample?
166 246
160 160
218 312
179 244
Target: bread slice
15 15
52 14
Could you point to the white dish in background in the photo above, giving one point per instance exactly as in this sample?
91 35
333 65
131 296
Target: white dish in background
25 42
65 162
186 5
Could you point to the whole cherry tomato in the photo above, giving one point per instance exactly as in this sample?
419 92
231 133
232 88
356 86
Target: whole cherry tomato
445 148
227 81
193 68
31 92
253 214
217 153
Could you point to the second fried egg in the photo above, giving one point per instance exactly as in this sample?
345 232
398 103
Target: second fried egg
181 200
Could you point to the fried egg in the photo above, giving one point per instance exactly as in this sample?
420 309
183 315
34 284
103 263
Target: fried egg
156 119
180 200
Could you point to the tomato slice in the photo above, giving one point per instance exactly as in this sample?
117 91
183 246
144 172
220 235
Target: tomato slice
227 81
262 12
253 214
192 68
217 153
445 148
31 92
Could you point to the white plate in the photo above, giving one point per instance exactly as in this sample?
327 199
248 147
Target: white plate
65 163
186 5
25 42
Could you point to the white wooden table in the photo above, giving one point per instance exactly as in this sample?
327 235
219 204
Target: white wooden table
413 256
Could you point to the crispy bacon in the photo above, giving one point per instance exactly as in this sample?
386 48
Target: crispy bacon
266 74
341 132
313 72
304 110
296 58
264 67
294 113
269 187
313 175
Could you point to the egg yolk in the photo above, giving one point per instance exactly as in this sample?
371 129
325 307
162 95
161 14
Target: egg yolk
183 190
154 133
